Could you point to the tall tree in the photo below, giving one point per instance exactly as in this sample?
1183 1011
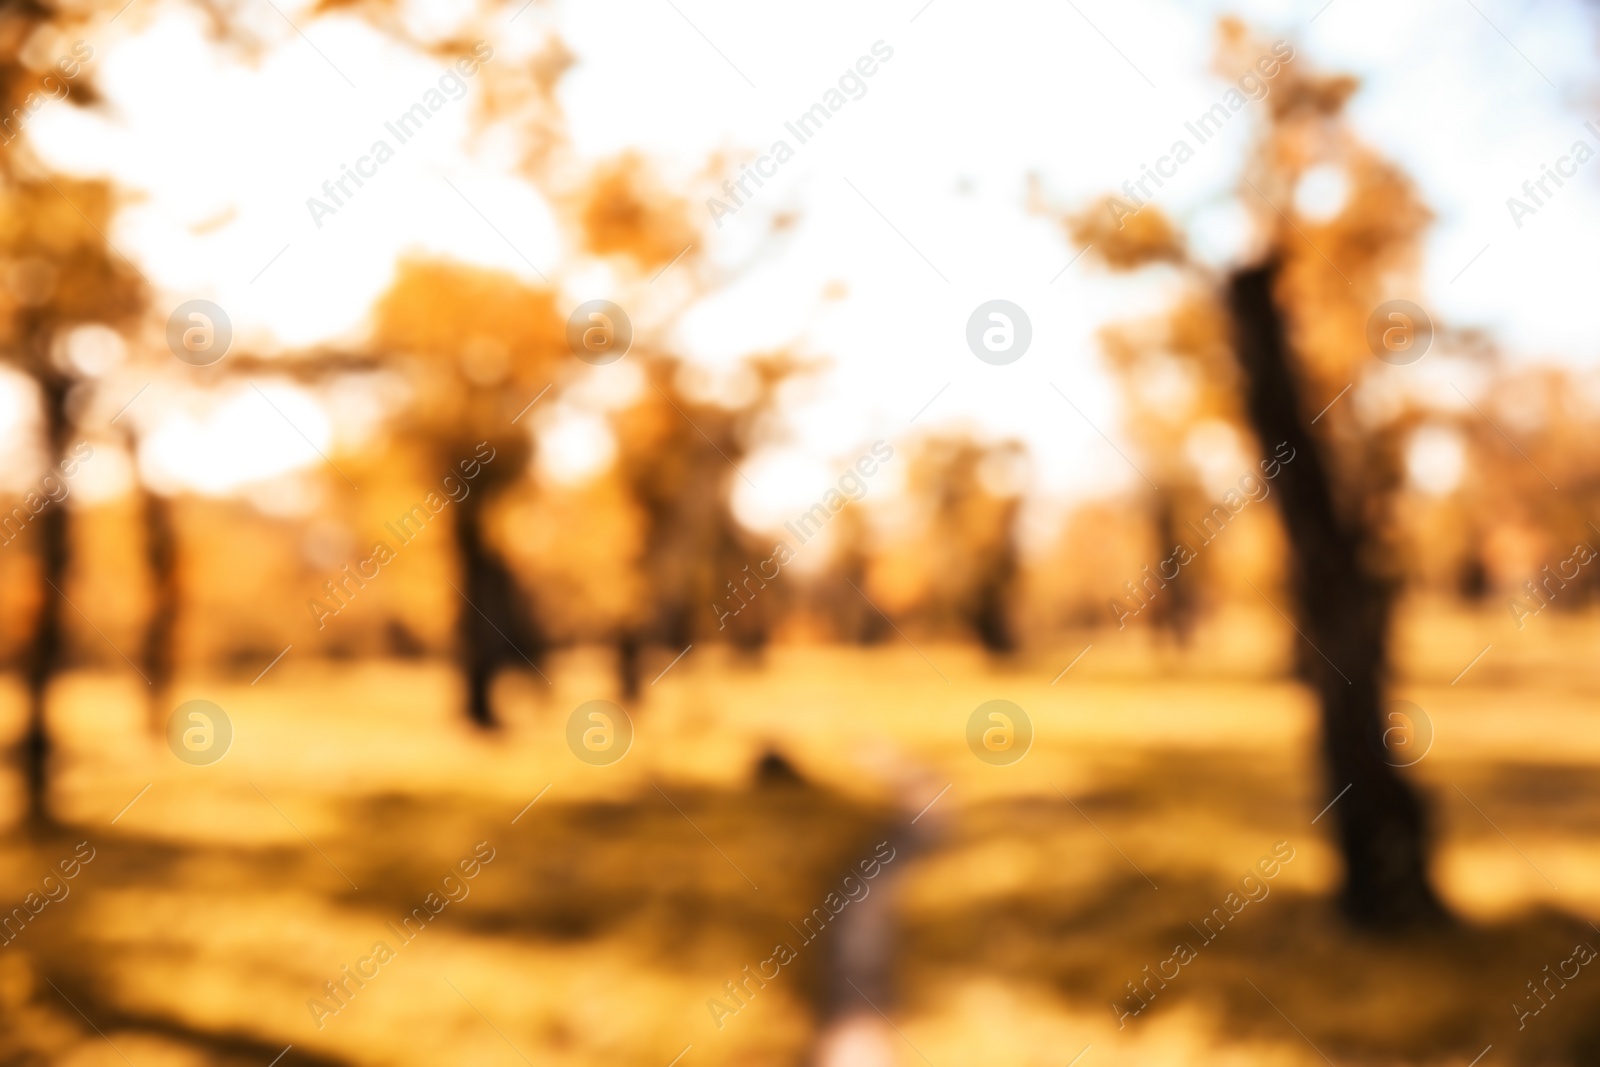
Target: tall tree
1345 607
477 346
62 274
680 458
1276 344
954 566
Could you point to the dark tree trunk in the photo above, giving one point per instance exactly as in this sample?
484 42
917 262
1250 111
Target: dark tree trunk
1344 610
495 629
629 647
1173 611
989 618
160 549
986 606
858 622
44 657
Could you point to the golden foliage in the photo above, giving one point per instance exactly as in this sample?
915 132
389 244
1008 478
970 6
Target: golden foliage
1127 241
956 563
58 266
626 212
582 548
444 309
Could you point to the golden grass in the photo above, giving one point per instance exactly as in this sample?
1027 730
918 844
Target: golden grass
608 918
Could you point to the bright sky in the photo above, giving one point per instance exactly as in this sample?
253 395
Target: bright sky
913 196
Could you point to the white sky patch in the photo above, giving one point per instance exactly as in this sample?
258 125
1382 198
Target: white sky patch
93 350
214 448
258 142
1214 449
105 476
19 426
914 196
1436 458
574 445
1321 192
767 501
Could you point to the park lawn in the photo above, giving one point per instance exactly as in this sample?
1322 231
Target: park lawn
621 901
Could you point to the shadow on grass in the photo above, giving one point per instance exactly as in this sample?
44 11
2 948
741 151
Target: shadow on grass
676 878
1286 962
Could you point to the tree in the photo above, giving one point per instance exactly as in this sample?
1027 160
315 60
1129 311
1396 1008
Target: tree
65 275
954 565
1277 343
1345 607
477 346
679 458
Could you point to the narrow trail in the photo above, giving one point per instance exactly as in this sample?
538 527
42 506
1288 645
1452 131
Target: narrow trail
859 997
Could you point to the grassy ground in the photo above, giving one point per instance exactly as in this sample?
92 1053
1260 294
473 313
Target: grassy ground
220 902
